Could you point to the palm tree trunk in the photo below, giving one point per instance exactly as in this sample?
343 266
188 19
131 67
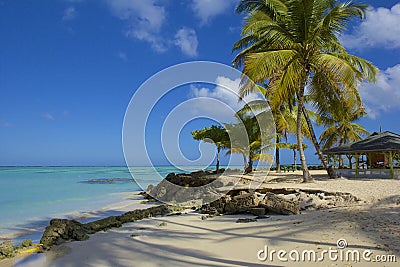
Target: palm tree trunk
294 159
218 158
277 156
332 174
249 167
306 174
244 161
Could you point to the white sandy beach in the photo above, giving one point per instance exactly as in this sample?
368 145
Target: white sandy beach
187 240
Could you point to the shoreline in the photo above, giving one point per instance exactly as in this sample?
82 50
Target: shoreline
219 241
111 209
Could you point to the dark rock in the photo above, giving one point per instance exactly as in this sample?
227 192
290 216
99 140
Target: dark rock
201 174
63 229
103 224
257 211
212 211
195 179
217 205
26 243
242 203
245 220
149 188
280 205
6 249
221 170
147 196
187 189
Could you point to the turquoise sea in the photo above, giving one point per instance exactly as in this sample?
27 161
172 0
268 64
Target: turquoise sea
31 196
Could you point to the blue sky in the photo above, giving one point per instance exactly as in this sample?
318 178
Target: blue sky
68 69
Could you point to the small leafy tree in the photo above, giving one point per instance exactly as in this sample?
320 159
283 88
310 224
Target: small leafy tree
216 135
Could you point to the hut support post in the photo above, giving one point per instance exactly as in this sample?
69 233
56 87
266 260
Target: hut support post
370 161
349 157
357 163
391 164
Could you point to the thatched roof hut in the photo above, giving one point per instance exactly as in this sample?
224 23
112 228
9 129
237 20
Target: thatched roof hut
376 142
379 148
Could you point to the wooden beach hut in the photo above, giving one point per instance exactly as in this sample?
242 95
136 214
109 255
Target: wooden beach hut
381 151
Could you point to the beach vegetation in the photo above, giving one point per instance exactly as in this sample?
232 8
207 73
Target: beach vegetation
293 47
216 135
257 145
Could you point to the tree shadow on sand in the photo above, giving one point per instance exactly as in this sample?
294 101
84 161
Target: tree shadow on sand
378 222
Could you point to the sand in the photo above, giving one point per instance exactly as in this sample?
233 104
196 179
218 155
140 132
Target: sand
187 240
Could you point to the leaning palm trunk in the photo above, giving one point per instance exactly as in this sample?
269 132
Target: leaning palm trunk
332 174
277 156
306 174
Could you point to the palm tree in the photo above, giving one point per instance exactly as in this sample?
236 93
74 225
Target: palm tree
340 126
291 44
285 121
214 134
255 147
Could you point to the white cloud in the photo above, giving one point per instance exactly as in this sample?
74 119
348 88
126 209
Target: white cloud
186 40
384 96
206 10
226 91
379 29
69 13
145 20
48 116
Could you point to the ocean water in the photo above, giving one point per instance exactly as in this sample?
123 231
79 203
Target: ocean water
31 196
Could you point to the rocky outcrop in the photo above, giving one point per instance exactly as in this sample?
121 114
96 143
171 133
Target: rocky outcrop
280 200
323 200
7 249
191 189
280 205
194 179
62 229
26 243
242 203
232 204
253 203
